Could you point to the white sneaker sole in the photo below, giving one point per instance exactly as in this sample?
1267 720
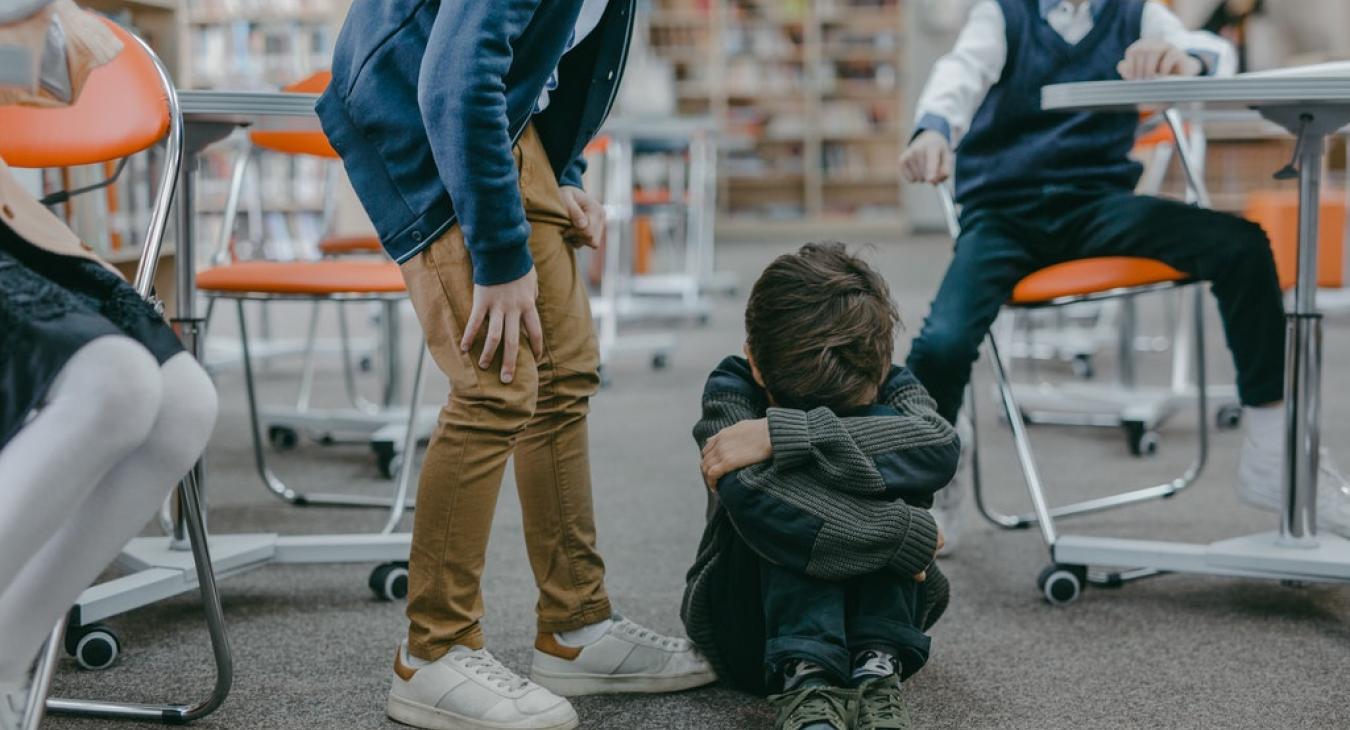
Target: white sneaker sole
573 684
416 714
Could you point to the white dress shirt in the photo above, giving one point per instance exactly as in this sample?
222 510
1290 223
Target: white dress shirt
587 19
961 79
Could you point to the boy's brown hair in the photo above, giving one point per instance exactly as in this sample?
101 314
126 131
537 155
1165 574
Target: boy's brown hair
820 327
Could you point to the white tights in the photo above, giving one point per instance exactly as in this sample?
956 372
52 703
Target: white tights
84 475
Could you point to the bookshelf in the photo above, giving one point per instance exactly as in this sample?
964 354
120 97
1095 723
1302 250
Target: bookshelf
809 96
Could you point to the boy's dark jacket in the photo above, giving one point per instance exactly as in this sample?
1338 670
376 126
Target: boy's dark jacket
429 96
825 505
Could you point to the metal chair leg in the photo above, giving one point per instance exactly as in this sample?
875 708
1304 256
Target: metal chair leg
405 468
42 677
1032 474
265 473
174 714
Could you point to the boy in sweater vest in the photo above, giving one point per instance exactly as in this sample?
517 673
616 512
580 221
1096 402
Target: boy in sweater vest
824 458
1042 187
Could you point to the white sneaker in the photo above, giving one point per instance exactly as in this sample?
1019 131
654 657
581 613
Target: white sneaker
627 658
1261 476
468 689
947 503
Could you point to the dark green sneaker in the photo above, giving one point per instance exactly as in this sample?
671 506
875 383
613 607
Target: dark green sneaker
881 705
813 708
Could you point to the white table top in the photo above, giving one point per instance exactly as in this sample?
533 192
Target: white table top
1255 90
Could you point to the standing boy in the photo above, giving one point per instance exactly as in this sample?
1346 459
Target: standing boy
1041 187
461 124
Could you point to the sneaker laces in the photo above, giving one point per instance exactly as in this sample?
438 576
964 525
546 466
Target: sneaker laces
488 668
882 705
812 705
647 636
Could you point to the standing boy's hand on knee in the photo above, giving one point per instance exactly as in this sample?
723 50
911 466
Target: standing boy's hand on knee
928 159
505 307
1151 57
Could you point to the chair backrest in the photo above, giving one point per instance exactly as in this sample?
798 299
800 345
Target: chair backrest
296 141
123 109
128 105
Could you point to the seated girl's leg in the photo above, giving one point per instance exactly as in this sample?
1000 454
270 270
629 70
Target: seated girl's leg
119 504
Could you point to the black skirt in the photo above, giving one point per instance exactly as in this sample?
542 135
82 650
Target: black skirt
51 306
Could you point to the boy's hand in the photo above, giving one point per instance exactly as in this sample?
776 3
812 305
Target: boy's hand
588 218
735 447
505 308
928 159
923 574
1147 59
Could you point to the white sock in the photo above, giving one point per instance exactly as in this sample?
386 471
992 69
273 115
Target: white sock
874 663
1265 425
585 635
413 662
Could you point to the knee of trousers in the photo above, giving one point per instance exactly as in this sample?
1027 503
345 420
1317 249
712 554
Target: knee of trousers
503 411
944 349
1243 245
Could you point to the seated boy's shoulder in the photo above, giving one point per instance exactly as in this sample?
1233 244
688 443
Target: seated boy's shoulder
898 377
733 375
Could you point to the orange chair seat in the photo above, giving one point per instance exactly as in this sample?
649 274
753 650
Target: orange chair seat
307 278
341 245
1092 276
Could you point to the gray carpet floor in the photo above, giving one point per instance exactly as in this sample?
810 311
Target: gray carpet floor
312 646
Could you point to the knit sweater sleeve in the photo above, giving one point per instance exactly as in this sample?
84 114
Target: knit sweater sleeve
902 448
795 510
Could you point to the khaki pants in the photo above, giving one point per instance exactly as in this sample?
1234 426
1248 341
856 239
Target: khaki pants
539 419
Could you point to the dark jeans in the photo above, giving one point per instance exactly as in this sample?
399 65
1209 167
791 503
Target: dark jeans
828 622
999 245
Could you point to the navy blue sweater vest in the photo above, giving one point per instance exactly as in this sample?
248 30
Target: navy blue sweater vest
1014 149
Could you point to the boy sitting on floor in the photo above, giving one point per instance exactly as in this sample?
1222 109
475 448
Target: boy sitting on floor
814 577
1042 187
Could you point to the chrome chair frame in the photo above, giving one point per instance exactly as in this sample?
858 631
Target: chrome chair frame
188 493
378 423
1014 412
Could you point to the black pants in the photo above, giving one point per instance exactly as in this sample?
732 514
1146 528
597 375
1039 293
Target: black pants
828 622
999 245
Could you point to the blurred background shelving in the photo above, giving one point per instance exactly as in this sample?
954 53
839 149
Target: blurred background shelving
808 96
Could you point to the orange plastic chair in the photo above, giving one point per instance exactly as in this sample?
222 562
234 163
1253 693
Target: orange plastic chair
1277 212
127 106
334 278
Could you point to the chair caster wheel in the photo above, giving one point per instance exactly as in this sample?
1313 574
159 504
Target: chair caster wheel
283 438
389 581
366 363
660 361
387 459
1062 584
1229 417
1143 441
94 647
1083 367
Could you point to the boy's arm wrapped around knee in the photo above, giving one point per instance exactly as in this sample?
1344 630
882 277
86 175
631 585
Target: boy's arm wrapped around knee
901 449
789 515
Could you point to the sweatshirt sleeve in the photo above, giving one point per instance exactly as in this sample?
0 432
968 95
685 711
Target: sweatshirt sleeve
462 96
